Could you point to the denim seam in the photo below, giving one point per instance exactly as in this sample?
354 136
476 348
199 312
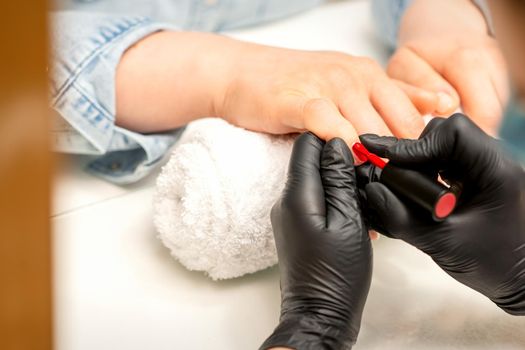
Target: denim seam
82 131
262 9
192 18
397 16
136 137
79 68
92 102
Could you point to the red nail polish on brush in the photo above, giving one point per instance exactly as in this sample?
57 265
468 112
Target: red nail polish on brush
412 185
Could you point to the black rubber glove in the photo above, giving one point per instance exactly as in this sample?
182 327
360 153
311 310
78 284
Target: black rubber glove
482 244
325 254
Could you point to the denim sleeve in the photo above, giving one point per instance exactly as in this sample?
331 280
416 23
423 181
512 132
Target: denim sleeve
387 16
484 8
85 51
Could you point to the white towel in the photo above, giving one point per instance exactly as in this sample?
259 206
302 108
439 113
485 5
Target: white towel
214 196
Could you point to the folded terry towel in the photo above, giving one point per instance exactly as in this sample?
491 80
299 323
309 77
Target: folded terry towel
214 196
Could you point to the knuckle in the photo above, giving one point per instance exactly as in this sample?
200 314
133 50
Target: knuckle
287 209
459 122
281 208
467 56
275 211
338 55
397 61
337 74
372 66
286 204
315 107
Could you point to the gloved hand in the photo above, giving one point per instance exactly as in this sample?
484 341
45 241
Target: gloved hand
325 254
482 244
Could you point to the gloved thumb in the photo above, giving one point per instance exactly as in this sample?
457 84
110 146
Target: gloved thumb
339 183
386 210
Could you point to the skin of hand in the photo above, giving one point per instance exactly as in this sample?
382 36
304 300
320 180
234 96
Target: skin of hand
171 78
325 254
445 47
482 244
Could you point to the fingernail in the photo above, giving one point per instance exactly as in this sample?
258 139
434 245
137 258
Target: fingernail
357 161
445 103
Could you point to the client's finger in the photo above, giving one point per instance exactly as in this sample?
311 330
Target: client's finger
360 112
407 66
322 117
396 109
478 94
425 101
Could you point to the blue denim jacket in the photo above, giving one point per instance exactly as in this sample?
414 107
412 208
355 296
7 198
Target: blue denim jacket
388 14
88 39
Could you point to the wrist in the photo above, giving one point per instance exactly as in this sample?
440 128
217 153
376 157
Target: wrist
510 294
485 12
438 18
209 61
513 303
171 78
310 332
216 61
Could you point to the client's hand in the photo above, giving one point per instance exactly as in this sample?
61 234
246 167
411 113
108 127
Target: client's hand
482 244
329 93
171 78
445 47
325 255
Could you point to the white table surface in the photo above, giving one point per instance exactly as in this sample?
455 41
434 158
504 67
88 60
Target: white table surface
116 286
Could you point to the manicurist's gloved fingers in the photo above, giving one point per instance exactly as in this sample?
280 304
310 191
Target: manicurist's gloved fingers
304 193
386 210
408 152
468 245
325 264
380 144
443 142
339 182
435 144
455 141
433 124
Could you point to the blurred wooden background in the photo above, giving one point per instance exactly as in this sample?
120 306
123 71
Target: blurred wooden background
25 163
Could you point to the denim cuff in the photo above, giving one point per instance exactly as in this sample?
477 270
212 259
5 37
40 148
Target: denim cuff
387 15
86 49
125 166
306 332
485 10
